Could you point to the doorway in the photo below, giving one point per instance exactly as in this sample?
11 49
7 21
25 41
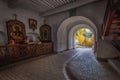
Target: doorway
66 31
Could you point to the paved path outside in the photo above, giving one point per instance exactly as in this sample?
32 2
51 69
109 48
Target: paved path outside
83 65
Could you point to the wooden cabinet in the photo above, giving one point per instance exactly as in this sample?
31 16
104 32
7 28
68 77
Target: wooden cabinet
12 53
2 54
48 47
44 48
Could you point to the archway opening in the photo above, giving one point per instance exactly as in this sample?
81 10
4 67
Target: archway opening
66 31
84 38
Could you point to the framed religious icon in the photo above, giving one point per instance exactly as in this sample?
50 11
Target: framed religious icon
32 24
45 33
16 31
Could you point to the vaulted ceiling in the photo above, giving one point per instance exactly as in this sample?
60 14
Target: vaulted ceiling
43 6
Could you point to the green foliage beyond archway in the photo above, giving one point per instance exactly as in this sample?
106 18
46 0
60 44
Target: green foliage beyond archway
84 37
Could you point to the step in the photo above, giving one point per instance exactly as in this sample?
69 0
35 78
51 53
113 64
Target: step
115 63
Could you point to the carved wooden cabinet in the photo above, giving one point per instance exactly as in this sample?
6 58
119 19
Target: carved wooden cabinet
12 53
46 47
45 37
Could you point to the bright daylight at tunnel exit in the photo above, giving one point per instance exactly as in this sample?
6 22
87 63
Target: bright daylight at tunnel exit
84 37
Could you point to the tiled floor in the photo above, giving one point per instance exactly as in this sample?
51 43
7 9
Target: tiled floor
83 66
48 68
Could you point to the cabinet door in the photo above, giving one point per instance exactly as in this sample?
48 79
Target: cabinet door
2 55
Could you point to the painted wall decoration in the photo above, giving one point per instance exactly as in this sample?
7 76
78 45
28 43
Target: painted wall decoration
32 24
16 31
45 33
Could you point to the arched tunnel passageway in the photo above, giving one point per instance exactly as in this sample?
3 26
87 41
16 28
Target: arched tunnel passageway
66 31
